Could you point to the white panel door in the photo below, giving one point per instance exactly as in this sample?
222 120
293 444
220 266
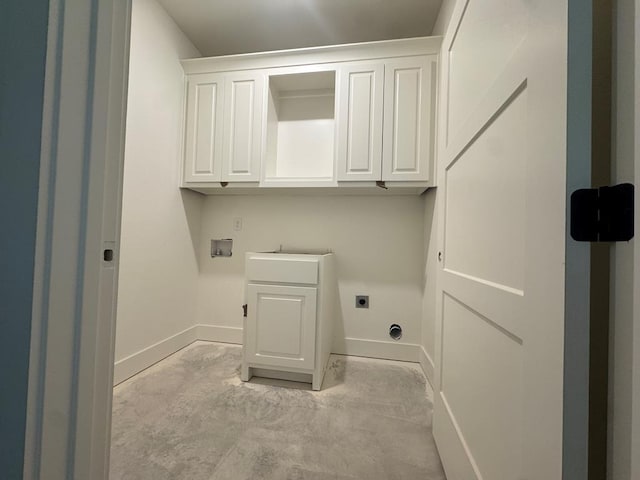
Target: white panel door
498 410
409 105
281 325
243 117
360 121
203 132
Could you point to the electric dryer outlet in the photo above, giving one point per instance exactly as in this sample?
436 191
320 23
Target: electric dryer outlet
362 301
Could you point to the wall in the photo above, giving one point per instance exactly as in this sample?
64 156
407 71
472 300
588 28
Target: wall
378 246
430 246
158 264
624 366
442 22
23 36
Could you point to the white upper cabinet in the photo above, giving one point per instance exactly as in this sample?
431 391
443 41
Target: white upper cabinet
203 130
242 144
223 128
359 154
409 108
337 117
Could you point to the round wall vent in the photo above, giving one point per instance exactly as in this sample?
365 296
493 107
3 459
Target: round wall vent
395 331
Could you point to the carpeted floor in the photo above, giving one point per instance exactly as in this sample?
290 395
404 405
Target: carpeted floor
190 417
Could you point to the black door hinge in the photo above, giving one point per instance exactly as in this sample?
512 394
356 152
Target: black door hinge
603 214
244 310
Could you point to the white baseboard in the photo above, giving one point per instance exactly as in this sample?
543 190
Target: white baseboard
426 362
139 361
136 362
406 352
216 333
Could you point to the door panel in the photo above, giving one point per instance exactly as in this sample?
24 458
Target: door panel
243 127
498 408
203 133
360 122
474 380
281 324
484 235
409 88
488 35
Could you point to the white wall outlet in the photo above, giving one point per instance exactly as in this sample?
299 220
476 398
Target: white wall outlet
237 224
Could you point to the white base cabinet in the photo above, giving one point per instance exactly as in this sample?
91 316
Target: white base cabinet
290 309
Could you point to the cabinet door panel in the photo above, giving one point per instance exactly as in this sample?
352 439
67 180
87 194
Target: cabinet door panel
243 123
203 133
408 118
360 122
281 325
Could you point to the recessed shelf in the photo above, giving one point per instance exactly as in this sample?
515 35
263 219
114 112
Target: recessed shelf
222 247
301 127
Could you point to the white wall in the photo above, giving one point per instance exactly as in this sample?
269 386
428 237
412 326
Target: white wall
160 225
430 246
377 241
624 365
446 10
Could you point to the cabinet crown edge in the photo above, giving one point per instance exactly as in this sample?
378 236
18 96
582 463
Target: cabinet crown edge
314 55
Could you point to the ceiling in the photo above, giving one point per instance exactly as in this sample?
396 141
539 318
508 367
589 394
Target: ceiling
222 27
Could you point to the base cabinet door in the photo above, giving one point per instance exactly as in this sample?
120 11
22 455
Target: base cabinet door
409 115
281 324
203 129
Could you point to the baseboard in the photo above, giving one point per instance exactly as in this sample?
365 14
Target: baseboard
216 333
406 352
427 365
457 460
136 362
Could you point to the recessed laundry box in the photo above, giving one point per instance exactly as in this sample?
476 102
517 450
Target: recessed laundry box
288 324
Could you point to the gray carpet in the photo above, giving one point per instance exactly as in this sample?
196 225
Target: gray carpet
190 417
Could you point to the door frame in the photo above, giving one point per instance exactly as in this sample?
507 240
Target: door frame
624 368
73 318
635 428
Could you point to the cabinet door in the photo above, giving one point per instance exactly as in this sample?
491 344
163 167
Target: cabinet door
281 326
360 121
203 129
409 113
244 105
